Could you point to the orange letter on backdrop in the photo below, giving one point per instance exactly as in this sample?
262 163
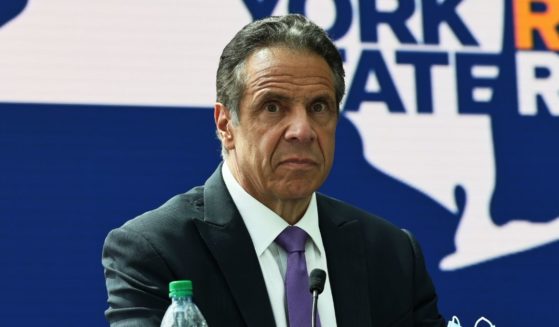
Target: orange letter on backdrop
545 23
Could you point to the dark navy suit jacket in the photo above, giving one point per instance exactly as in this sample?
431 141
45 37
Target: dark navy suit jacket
376 271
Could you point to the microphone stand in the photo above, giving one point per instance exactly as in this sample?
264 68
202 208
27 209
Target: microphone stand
314 303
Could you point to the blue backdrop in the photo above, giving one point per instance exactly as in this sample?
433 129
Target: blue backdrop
71 170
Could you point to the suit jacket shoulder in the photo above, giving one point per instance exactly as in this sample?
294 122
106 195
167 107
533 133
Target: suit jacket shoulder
200 236
377 273
141 256
175 211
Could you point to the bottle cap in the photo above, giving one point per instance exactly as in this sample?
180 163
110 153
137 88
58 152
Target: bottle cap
180 288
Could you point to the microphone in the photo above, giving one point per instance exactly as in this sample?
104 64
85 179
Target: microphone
316 286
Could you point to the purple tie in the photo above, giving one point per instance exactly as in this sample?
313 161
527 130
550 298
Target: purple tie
299 299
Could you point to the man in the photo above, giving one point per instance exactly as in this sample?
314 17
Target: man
279 86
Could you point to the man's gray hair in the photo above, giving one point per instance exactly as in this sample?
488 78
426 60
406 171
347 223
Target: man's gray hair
292 31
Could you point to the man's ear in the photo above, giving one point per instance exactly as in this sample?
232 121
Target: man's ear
224 125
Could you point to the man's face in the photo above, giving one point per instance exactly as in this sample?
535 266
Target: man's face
283 147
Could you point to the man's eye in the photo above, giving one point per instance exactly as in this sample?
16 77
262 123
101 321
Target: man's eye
272 107
319 107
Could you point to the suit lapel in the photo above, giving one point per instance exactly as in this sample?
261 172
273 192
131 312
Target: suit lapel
347 269
226 236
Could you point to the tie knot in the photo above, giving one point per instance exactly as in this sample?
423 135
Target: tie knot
292 239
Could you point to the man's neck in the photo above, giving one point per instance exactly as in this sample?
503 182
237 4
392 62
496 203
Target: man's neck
290 210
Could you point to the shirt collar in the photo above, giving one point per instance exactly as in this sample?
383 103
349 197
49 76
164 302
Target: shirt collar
263 224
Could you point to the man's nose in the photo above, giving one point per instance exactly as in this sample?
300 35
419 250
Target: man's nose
300 127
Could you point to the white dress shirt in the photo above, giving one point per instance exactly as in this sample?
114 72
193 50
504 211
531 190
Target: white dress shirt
264 226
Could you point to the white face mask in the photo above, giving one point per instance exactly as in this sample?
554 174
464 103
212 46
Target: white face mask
456 323
484 320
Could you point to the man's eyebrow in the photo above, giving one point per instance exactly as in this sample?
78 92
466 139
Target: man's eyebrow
323 96
270 95
274 95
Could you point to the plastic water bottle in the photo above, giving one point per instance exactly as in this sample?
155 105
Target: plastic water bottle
182 312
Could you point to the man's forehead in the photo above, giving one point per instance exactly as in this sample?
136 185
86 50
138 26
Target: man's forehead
282 53
289 65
